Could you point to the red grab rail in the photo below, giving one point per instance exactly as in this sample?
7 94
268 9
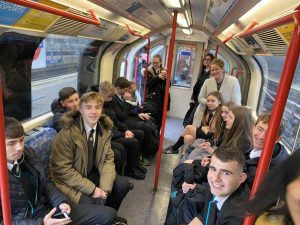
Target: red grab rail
166 98
59 12
148 56
285 83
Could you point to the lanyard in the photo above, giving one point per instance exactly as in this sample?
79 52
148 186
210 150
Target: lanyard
208 210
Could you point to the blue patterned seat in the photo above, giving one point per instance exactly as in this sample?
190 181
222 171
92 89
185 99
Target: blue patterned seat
40 141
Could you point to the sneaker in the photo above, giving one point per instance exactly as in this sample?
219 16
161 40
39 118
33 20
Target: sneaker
140 167
169 150
144 161
120 221
135 174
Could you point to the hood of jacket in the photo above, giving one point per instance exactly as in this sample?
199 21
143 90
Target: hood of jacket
56 107
72 118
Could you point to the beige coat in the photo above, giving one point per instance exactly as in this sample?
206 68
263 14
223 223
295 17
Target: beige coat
69 159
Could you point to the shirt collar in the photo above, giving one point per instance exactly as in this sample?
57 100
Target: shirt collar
88 128
220 201
11 165
255 153
120 96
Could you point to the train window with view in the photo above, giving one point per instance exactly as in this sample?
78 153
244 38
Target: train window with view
34 69
271 67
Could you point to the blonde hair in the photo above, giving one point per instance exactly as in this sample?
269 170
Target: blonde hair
106 87
89 96
218 62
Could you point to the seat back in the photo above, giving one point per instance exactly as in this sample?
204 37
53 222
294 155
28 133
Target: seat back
40 141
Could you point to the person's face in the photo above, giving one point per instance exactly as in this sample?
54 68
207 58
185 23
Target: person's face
224 177
206 61
229 120
132 88
259 133
71 103
293 200
216 72
212 102
91 112
122 91
156 63
224 112
14 148
107 96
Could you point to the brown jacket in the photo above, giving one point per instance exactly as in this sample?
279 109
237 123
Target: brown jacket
69 159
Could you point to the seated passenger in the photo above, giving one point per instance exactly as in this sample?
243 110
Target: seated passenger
139 121
68 100
222 201
208 124
33 197
279 194
82 164
259 133
131 140
228 86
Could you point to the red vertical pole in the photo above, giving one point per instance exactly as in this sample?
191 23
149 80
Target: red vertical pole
146 73
216 51
166 99
285 83
5 200
136 68
166 53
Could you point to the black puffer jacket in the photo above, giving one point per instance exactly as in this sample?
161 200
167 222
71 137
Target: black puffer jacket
278 156
58 111
47 196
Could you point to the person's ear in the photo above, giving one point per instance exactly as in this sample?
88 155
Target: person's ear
243 177
62 103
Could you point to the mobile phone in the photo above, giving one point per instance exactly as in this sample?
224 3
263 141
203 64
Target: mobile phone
59 214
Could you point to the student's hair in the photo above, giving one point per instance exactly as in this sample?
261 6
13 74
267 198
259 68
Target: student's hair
220 124
229 154
265 118
274 187
218 62
13 128
89 96
122 82
218 95
66 92
242 125
95 87
158 57
106 87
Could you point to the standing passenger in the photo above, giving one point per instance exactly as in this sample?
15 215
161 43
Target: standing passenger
227 85
156 86
82 164
204 75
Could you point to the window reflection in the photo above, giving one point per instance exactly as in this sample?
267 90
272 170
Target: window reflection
272 67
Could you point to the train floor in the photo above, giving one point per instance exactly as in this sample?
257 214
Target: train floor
143 206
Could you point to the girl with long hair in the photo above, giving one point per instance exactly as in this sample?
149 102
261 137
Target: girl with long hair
208 124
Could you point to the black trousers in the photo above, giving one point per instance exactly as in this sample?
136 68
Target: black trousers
132 146
146 127
115 198
119 155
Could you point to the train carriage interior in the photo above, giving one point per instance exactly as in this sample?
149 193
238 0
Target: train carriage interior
46 45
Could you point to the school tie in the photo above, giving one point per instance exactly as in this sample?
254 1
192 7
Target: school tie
90 144
16 170
212 212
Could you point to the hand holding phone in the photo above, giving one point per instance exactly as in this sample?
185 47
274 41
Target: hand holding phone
60 214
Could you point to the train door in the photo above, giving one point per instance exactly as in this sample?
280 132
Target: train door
186 67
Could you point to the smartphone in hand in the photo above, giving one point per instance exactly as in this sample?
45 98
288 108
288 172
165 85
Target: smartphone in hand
59 214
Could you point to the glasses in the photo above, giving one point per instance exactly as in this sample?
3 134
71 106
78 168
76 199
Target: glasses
206 59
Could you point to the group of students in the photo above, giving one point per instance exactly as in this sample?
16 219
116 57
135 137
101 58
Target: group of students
96 134
220 150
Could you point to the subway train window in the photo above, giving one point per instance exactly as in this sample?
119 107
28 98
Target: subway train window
184 64
34 69
271 67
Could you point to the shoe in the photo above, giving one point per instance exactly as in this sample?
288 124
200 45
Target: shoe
140 167
144 161
135 174
169 150
120 221
131 186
